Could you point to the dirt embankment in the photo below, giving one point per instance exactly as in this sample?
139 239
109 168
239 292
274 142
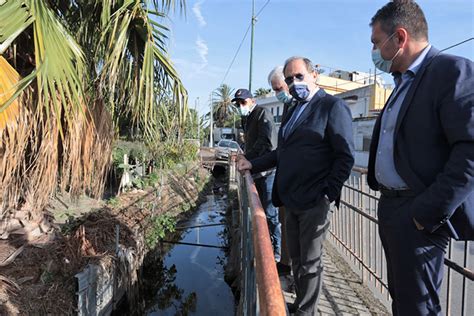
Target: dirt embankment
38 277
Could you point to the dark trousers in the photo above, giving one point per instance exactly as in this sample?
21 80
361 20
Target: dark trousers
414 259
264 187
285 255
306 230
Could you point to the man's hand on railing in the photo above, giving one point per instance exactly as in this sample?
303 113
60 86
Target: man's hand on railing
243 164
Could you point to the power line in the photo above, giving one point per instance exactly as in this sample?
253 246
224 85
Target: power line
467 40
243 39
263 7
236 53
380 73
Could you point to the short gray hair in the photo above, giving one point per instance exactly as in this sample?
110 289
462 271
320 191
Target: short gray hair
276 73
309 64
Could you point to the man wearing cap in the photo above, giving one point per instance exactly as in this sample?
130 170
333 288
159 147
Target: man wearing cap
313 160
260 138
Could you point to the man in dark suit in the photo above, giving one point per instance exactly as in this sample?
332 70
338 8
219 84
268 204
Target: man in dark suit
313 159
421 156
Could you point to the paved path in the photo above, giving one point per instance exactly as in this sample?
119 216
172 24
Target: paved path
342 293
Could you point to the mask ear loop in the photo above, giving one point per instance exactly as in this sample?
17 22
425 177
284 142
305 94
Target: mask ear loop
385 42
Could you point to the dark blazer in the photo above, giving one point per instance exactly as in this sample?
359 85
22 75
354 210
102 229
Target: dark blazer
260 133
315 158
434 144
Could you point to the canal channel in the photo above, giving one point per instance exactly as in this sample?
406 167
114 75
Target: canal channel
185 275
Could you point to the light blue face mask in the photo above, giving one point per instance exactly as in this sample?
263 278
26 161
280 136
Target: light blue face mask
379 62
299 90
283 97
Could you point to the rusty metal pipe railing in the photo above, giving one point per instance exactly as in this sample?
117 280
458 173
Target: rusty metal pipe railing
271 301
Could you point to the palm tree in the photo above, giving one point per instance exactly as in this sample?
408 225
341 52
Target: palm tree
260 92
74 73
222 104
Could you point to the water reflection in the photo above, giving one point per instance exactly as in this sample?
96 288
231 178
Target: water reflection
169 296
190 280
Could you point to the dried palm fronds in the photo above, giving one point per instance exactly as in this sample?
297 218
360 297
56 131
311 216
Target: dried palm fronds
11 257
9 114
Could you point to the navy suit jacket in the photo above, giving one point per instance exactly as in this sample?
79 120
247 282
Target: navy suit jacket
315 158
434 145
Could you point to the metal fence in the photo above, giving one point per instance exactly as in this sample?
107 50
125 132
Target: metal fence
259 273
354 231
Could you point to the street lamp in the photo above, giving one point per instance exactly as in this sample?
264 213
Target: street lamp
196 106
211 127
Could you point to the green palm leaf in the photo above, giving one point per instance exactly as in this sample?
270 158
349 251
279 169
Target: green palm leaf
14 19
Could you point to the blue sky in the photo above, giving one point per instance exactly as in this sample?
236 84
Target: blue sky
331 33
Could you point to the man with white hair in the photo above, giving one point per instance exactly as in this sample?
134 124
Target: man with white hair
276 80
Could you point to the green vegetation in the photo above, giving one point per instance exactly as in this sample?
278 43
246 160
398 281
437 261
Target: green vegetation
84 73
159 226
260 92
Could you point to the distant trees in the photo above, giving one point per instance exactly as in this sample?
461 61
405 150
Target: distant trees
222 105
260 92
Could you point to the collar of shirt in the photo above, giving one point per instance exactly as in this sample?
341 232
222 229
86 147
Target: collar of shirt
417 63
252 108
412 69
311 94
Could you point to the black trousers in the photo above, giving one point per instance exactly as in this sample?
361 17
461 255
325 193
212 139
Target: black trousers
415 259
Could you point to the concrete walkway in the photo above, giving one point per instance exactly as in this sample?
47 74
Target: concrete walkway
342 292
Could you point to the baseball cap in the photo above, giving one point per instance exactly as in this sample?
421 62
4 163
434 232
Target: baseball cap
242 94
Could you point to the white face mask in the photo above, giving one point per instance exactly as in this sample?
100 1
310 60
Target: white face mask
244 110
379 62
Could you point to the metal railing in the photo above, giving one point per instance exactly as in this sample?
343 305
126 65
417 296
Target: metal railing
259 273
354 230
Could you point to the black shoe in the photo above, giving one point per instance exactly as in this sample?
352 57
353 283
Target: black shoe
283 269
292 308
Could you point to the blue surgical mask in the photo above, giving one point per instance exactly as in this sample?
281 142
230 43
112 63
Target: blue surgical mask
283 97
379 62
299 90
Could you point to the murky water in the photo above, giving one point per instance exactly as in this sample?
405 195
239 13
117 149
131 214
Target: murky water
192 278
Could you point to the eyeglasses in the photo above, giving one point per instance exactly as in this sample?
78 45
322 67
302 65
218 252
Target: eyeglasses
290 79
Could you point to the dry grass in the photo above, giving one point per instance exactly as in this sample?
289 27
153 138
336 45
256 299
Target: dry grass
36 155
45 272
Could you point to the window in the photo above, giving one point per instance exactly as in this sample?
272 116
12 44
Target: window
224 143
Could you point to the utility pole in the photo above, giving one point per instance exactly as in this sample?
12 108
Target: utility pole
211 128
254 19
